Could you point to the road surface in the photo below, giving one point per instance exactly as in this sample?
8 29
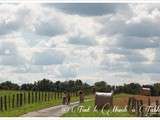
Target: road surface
55 111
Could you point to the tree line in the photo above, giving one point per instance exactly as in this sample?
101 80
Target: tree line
76 85
131 88
48 85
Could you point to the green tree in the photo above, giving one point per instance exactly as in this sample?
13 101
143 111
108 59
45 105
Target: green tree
132 88
43 85
156 89
27 86
101 86
9 86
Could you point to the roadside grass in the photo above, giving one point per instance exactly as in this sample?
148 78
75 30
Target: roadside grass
86 109
28 108
14 112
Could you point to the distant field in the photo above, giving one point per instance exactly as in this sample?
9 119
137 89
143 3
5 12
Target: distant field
121 99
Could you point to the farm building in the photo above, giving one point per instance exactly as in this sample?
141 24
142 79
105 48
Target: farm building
103 100
145 91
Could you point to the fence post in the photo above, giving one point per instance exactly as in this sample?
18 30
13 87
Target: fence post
24 97
13 101
9 102
58 95
32 97
51 95
29 97
45 97
17 100
21 98
1 103
39 96
48 95
42 96
5 103
55 95
36 97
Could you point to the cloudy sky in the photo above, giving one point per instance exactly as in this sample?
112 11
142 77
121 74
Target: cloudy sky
117 43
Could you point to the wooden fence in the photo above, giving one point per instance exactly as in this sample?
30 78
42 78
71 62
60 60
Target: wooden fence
142 109
11 101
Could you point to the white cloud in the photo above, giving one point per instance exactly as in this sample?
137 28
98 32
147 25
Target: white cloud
49 26
112 42
82 40
48 57
10 55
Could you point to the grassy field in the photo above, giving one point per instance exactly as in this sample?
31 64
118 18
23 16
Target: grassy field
88 110
41 105
29 107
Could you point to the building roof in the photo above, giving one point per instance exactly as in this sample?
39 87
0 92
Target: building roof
146 88
104 93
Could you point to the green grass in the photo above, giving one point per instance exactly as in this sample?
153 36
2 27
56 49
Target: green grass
91 113
31 107
8 92
14 112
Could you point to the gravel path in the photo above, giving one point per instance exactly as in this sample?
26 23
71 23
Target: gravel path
55 111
